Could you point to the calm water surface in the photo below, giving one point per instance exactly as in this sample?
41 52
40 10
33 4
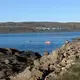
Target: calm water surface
36 41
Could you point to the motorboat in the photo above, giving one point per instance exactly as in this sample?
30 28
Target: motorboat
47 42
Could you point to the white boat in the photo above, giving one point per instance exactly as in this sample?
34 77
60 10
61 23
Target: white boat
47 42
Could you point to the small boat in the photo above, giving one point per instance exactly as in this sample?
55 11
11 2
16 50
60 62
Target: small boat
47 42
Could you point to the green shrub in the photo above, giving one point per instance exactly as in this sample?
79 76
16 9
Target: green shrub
73 73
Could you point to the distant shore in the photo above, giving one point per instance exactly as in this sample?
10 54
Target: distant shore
20 27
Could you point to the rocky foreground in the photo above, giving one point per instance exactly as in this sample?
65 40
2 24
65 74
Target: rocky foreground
61 64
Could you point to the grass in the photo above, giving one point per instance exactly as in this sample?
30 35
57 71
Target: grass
73 73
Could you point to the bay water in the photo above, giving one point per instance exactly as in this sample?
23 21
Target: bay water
36 41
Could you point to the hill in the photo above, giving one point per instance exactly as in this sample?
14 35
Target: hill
17 27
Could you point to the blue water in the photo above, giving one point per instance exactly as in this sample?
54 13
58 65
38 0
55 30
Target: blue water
36 41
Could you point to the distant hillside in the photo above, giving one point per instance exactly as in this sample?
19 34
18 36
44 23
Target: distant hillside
13 27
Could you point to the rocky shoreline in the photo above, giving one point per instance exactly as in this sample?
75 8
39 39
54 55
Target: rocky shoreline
13 62
28 65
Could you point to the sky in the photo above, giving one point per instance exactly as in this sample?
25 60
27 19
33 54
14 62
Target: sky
39 10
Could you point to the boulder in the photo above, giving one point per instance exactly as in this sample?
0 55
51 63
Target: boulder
6 61
53 56
45 66
2 75
52 68
36 74
43 59
32 55
25 75
68 66
63 62
57 70
51 76
36 64
46 53
70 61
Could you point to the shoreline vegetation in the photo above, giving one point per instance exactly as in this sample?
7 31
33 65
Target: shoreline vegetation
20 27
61 64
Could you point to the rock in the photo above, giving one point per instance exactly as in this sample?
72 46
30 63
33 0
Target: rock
64 70
36 74
25 75
46 53
32 55
66 42
45 66
53 56
51 76
2 75
36 64
70 61
77 56
65 54
14 51
3 79
45 73
6 61
52 68
9 51
21 58
68 66
3 50
1 53
37 55
16 54
57 69
43 59
63 62
14 62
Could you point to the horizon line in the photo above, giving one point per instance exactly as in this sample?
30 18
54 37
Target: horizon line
40 21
